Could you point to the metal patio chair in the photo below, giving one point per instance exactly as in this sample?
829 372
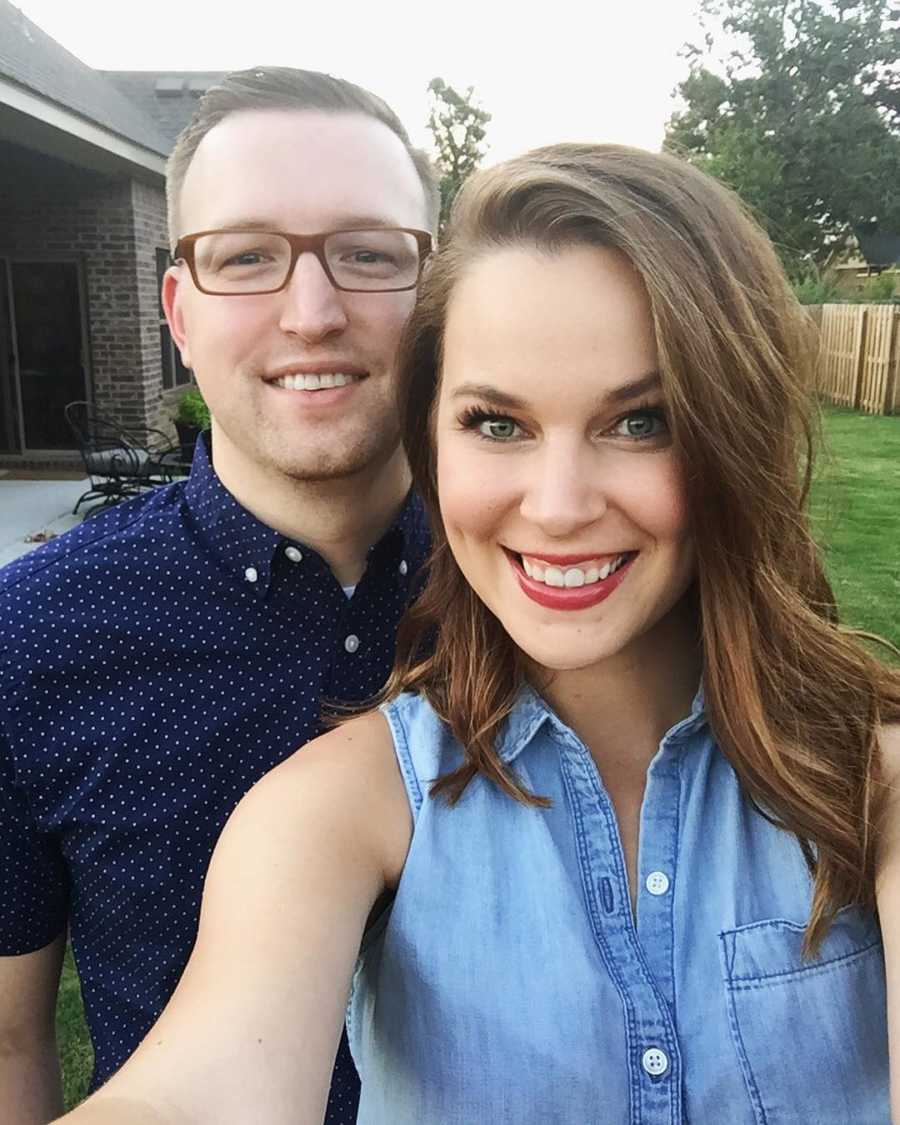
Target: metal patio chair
121 461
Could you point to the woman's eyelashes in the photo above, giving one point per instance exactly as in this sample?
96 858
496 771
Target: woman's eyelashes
640 424
644 423
489 424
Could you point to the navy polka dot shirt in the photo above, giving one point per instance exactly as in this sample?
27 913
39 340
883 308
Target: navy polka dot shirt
154 663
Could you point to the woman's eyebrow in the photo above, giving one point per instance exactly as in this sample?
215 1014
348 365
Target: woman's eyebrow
492 394
634 388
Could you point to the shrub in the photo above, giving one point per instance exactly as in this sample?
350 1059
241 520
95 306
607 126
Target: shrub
192 410
882 287
813 289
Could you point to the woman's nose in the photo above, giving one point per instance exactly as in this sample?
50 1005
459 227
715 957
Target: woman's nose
563 493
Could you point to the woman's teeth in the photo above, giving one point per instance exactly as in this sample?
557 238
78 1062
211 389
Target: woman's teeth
315 382
573 576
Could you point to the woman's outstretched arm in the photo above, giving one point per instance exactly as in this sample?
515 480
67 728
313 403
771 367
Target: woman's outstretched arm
252 1029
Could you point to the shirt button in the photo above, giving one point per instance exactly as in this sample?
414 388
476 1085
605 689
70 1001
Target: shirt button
251 574
403 568
293 554
657 882
655 1062
351 643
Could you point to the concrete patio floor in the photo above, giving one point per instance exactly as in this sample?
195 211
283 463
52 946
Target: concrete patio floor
29 507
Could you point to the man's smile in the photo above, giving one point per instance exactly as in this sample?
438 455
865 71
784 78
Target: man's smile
325 381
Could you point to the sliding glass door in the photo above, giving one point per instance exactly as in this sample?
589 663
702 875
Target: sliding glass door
42 365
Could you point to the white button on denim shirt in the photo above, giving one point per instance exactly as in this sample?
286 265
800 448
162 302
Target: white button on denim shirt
510 982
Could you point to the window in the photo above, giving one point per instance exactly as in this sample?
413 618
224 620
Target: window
174 373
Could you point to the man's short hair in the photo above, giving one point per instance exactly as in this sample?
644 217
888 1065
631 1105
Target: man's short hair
283 87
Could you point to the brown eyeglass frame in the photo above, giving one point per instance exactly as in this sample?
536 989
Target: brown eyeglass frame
300 244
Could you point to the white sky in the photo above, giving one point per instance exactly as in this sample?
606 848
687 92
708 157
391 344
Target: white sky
592 70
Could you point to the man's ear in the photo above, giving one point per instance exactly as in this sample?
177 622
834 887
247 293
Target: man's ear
173 279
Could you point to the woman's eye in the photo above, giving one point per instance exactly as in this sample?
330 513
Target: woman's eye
490 426
641 424
500 429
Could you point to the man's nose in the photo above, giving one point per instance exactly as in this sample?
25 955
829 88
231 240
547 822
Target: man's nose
563 493
312 308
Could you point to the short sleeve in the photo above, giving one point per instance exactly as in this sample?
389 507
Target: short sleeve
34 897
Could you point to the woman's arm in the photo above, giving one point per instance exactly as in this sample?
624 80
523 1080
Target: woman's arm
888 895
252 1029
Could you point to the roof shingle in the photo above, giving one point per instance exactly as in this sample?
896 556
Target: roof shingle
29 57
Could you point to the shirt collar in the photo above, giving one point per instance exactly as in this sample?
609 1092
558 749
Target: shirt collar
245 546
242 544
531 713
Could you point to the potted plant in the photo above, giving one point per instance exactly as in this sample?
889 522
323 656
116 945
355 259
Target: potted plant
191 418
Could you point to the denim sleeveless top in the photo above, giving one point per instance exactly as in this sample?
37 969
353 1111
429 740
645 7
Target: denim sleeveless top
510 982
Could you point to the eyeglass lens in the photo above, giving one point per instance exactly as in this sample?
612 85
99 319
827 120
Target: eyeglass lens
254 261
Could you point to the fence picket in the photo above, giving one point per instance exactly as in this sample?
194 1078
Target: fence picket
859 357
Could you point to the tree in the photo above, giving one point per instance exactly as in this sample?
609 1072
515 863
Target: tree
802 118
458 127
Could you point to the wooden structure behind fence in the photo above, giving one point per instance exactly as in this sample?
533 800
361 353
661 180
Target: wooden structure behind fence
859 356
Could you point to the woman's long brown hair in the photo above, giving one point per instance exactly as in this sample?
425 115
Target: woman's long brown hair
795 701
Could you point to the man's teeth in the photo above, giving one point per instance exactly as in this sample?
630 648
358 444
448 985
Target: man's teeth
315 382
572 575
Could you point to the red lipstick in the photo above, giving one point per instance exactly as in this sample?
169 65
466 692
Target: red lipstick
568 598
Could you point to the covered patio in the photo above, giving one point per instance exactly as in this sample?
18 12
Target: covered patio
34 510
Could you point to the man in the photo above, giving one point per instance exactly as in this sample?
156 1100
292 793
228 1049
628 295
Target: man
158 660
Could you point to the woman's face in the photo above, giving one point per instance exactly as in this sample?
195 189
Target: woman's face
559 490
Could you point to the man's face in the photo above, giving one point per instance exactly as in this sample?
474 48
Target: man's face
301 172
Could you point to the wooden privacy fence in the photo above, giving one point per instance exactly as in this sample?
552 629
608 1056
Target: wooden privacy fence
859 356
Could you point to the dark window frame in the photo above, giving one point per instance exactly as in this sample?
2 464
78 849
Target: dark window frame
174 373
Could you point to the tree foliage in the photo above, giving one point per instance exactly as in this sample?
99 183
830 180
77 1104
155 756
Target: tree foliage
458 126
796 105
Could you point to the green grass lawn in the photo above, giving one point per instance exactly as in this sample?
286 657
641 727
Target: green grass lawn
856 516
856 513
75 1050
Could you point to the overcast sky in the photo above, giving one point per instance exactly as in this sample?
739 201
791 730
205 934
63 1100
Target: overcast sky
549 72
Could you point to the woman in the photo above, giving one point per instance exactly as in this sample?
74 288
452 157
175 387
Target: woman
643 888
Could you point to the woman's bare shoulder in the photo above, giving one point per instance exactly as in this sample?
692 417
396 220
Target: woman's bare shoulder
347 778
357 754
359 748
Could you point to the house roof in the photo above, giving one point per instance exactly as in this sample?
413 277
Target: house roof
168 97
30 58
879 248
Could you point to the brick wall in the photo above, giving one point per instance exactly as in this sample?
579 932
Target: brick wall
148 205
113 226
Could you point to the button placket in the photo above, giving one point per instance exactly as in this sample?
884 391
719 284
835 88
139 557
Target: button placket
660 819
654 1060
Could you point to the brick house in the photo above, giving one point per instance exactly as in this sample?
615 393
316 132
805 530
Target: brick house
875 252
83 241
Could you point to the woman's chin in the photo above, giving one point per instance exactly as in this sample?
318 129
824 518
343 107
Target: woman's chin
563 657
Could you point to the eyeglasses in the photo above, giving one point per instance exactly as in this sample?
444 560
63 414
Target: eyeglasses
227 263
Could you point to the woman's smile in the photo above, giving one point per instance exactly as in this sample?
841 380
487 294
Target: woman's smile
565 584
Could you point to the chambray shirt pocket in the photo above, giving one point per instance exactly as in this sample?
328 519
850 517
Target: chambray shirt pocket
787 1015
